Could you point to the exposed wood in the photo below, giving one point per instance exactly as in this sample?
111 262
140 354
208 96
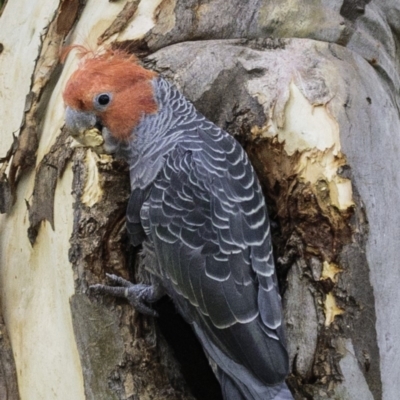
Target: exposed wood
316 105
122 353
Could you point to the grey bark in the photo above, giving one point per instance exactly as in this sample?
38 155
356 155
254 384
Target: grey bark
236 61
8 376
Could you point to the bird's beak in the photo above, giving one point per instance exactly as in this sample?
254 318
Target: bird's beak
84 128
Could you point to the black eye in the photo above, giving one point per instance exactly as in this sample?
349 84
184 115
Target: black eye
103 99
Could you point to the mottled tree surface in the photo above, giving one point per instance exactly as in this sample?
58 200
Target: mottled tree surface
8 377
309 88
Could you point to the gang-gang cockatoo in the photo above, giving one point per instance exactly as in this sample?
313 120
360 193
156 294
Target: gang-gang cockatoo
197 209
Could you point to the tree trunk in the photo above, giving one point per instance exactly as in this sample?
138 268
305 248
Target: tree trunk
310 89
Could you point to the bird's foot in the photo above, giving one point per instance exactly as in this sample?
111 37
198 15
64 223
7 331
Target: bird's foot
136 294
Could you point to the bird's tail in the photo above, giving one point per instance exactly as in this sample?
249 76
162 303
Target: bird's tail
237 382
233 389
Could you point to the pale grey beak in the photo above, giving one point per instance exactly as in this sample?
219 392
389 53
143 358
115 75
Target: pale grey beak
85 129
79 121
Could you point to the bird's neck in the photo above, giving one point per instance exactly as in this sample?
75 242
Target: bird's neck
157 134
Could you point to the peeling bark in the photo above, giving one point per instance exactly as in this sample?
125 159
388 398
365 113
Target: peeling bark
44 78
121 22
8 376
312 92
49 171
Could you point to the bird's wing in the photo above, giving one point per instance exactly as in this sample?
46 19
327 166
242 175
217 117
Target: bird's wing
209 225
133 223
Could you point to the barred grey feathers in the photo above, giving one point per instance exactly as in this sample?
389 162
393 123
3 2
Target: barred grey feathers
198 205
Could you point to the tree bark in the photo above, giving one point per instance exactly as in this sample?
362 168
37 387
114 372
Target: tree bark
310 89
8 376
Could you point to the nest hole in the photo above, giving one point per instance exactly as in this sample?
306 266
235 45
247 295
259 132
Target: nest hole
194 365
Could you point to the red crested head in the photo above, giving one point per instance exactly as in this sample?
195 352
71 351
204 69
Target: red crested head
114 87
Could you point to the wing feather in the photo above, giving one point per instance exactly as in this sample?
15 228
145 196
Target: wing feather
210 229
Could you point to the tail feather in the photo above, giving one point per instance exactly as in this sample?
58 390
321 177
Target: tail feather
237 382
238 390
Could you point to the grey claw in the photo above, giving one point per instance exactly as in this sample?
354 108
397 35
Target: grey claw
118 280
137 294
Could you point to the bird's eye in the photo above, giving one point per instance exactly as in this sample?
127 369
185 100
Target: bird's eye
102 99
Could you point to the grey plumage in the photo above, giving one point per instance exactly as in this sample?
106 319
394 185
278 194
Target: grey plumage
198 207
